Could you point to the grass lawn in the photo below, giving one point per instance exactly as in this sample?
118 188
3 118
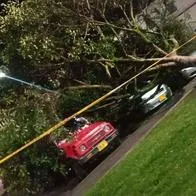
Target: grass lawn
164 163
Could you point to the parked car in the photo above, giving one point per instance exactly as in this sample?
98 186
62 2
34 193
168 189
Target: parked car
189 72
87 143
155 97
144 101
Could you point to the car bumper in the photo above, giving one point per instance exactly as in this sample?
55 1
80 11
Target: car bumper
97 150
156 102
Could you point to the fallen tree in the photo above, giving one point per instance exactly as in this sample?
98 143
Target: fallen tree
81 49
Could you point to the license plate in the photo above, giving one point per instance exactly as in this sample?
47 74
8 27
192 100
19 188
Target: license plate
162 97
102 145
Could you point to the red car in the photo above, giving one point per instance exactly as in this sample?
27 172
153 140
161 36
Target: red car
87 143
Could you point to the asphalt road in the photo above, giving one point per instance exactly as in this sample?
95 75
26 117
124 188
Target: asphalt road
76 188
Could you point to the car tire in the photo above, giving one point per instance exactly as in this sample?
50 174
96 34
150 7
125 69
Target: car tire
116 142
78 170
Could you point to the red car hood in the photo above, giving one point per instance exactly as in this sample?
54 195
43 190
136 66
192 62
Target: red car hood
83 134
87 131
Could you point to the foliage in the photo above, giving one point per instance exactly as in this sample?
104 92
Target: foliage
32 170
61 44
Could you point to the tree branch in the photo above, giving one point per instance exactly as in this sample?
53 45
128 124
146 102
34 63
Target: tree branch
136 30
80 82
116 34
164 65
159 49
112 102
102 107
127 18
176 45
88 87
177 59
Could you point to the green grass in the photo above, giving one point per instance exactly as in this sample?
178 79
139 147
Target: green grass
164 163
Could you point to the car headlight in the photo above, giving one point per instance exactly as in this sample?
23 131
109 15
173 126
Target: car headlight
106 128
82 148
